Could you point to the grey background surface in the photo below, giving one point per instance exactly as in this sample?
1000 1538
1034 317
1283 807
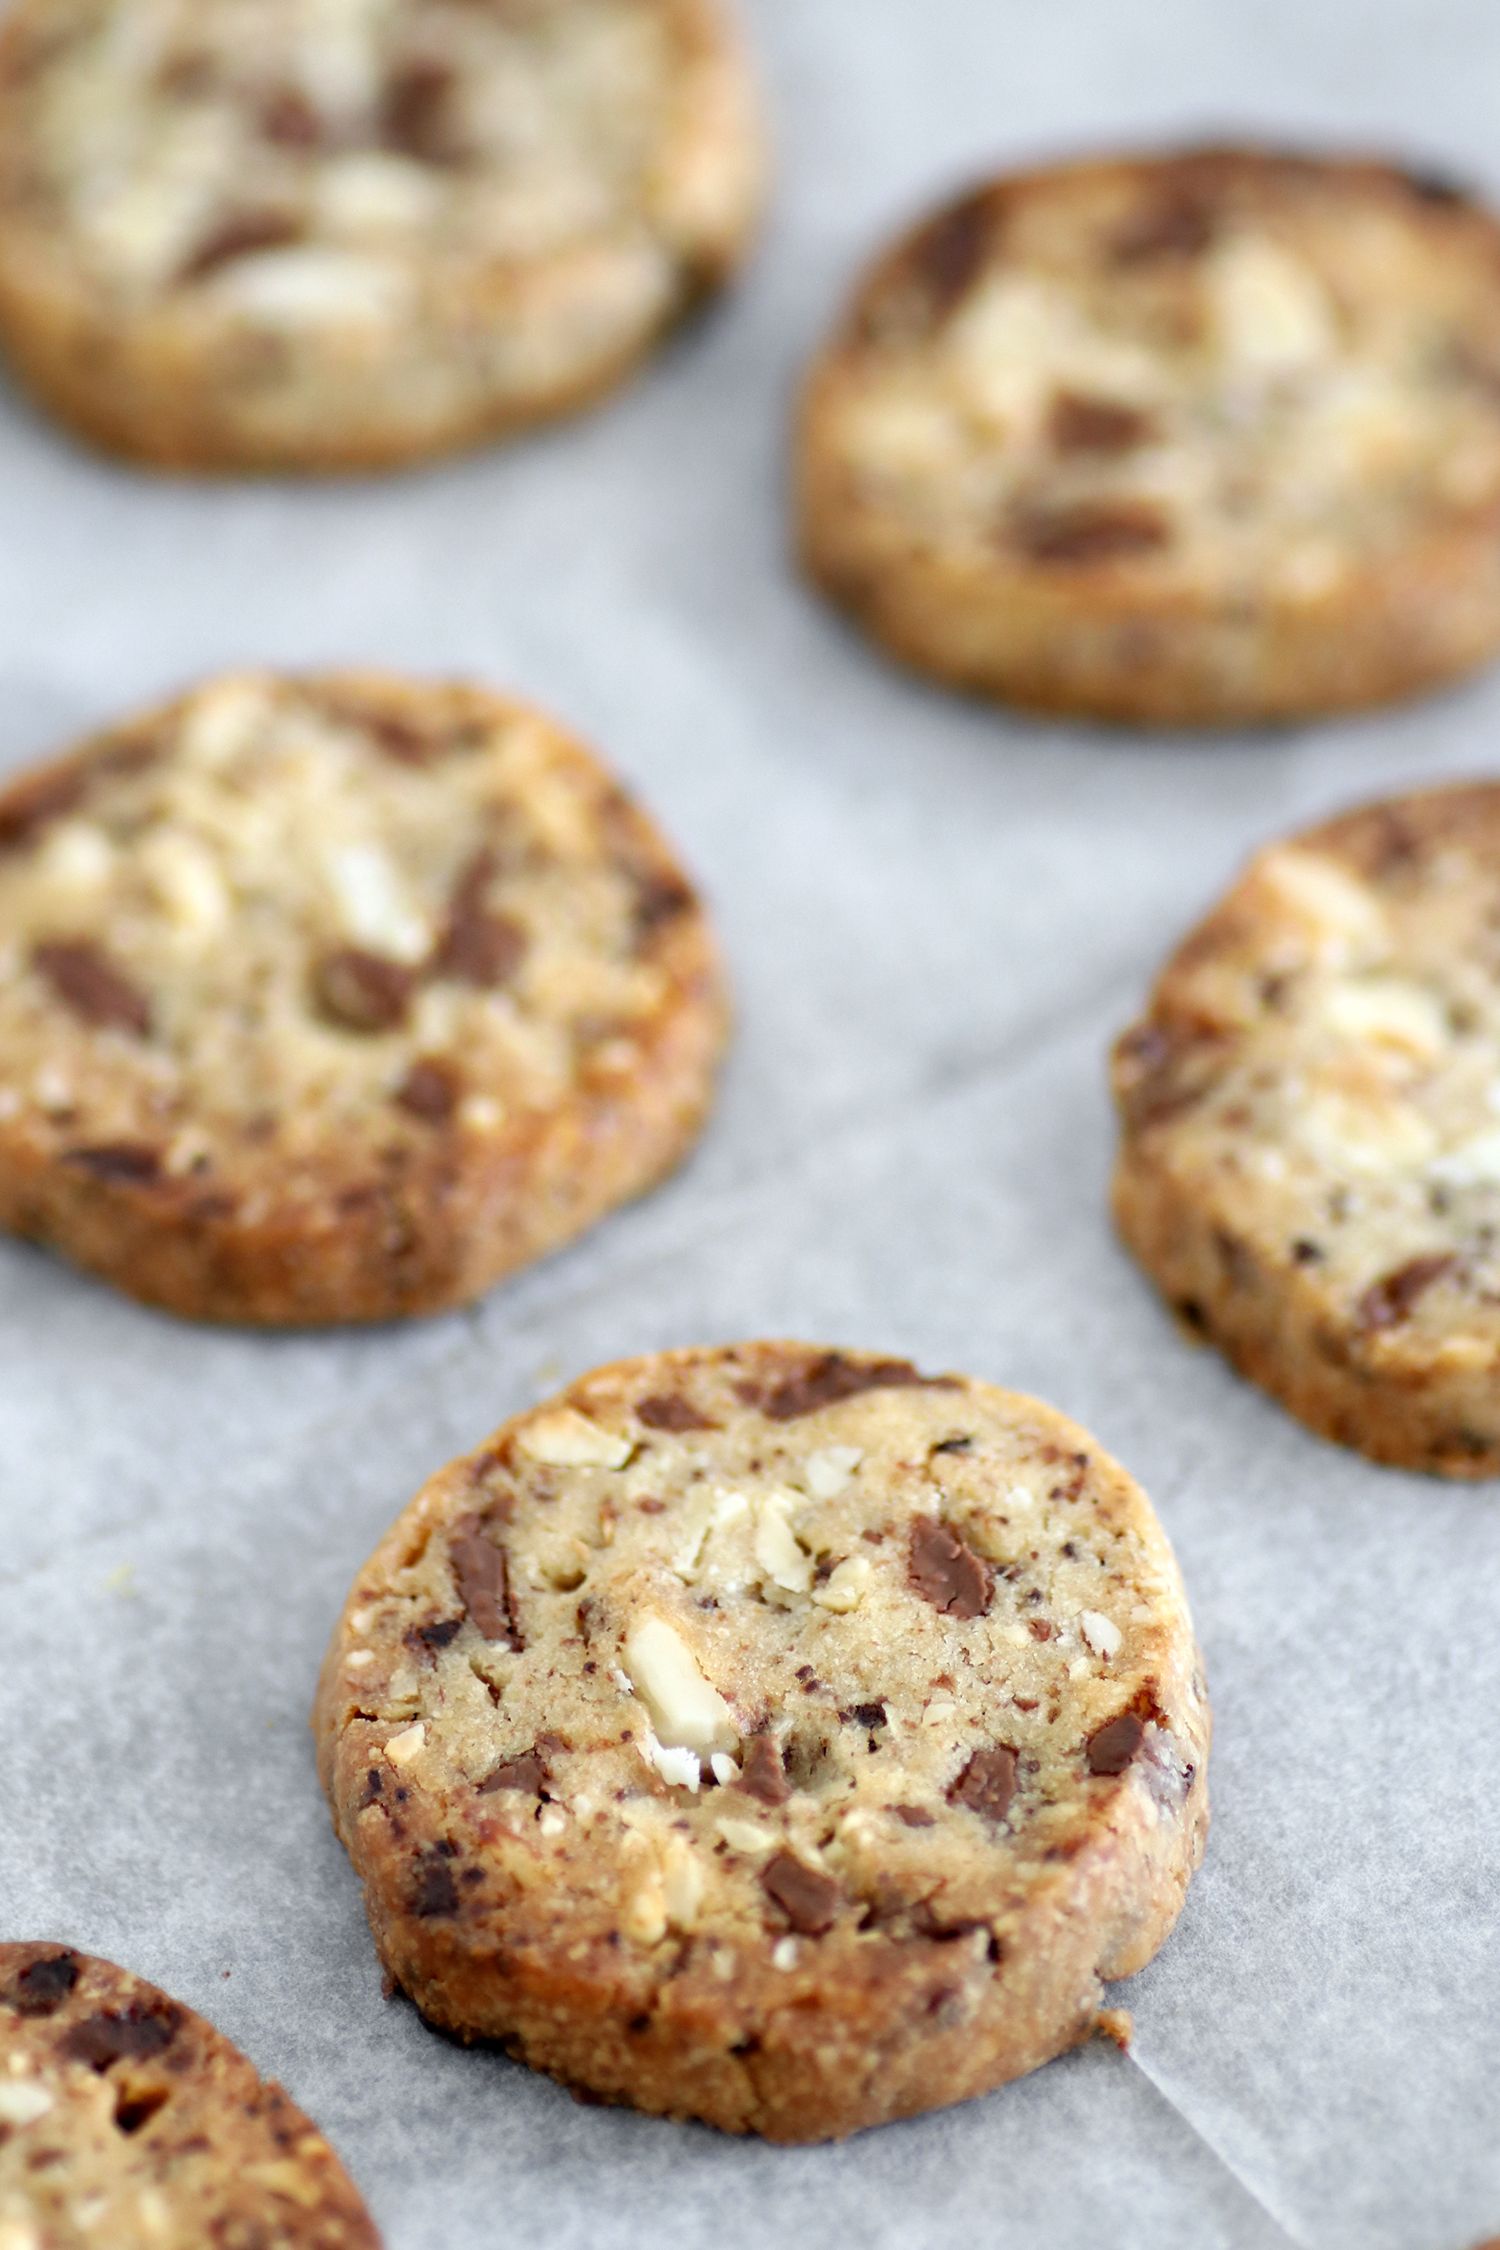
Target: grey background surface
937 918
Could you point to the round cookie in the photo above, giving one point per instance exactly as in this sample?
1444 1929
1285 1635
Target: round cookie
772 1736
336 998
1310 1160
268 235
1194 438
128 2121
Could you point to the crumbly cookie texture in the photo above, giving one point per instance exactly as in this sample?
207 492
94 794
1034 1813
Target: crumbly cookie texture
1310 1161
772 1736
336 998
330 234
1194 438
128 2121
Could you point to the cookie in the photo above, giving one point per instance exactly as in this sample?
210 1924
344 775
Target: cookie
129 2122
265 235
772 1736
1194 438
1310 1156
336 998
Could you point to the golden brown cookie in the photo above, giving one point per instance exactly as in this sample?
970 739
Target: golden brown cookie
129 2123
1310 1160
279 234
772 1736
337 998
1197 438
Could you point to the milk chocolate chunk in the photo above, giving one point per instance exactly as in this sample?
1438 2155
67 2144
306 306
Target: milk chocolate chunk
1395 1296
430 1090
91 986
669 1410
808 1899
1112 1747
831 1378
762 1773
1082 423
526 1774
363 991
483 1581
987 1783
947 1572
137 2031
43 1986
479 946
1091 531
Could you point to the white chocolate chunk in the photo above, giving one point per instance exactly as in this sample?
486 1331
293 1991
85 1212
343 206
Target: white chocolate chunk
746 1835
409 1744
844 1588
1472 1163
186 883
826 1473
1270 312
1338 907
1389 1010
723 1769
688 1713
680 1769
566 1439
372 905
1102 1633
682 1882
784 1562
23 2103
309 287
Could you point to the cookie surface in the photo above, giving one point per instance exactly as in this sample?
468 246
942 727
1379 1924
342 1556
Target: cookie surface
127 2120
268 235
1310 1161
337 998
1193 438
771 1736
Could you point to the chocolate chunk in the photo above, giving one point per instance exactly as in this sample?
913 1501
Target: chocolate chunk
913 1816
288 120
87 982
526 1774
867 1715
44 1985
829 1379
659 900
808 1899
1081 423
362 991
1164 1069
436 1635
1180 223
30 805
131 1163
141 2029
484 1583
1112 1747
1434 187
669 1410
240 236
1395 1296
430 1090
479 947
762 1774
416 117
946 1572
951 252
434 1892
987 1783
1091 531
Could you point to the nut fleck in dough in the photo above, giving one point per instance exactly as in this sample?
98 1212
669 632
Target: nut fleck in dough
1310 1162
129 2123
1195 438
337 998
772 1736
332 234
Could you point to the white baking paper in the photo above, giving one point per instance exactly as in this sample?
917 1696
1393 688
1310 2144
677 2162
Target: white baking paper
937 917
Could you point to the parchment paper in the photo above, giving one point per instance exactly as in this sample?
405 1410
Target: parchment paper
937 917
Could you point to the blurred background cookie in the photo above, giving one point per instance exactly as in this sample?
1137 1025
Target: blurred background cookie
1201 438
1310 1157
128 2121
773 1736
287 234
336 998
